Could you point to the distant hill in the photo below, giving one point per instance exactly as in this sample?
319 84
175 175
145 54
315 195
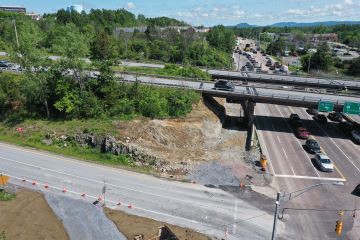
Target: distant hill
245 25
296 24
314 24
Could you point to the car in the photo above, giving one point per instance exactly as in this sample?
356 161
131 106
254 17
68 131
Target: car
324 162
224 85
346 127
302 133
312 111
355 135
296 73
335 116
312 146
294 118
320 118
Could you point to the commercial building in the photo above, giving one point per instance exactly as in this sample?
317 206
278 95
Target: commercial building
13 9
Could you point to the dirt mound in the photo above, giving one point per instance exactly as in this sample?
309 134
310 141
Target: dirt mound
29 217
180 141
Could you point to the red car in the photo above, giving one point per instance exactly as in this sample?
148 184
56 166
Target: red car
302 133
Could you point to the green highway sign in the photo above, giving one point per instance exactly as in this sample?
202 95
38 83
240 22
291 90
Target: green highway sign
326 106
351 108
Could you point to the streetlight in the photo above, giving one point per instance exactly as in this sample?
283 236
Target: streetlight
293 195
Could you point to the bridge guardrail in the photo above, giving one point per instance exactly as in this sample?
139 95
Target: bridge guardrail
246 93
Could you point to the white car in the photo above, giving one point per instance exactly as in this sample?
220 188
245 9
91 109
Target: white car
324 162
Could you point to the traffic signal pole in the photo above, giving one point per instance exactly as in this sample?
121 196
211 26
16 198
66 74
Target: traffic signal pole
276 214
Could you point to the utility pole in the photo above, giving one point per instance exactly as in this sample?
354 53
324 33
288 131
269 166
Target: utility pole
276 214
16 35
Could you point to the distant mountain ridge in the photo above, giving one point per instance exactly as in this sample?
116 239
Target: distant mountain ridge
297 24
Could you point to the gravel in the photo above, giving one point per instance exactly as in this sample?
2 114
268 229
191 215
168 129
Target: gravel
83 220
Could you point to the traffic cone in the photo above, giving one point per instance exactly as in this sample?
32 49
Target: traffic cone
64 190
46 186
83 194
130 205
33 182
101 198
194 182
118 204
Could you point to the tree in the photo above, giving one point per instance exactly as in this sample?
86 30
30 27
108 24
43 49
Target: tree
354 68
102 47
222 38
321 60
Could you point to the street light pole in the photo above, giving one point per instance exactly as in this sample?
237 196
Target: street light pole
297 194
277 204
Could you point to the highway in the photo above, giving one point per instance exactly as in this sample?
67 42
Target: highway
207 210
293 169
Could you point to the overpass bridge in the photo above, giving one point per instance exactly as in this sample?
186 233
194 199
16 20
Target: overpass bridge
249 96
286 80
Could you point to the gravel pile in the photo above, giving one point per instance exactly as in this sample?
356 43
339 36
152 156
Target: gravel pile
83 220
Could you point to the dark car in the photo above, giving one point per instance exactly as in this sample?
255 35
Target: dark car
312 111
4 63
346 127
335 116
294 118
224 85
320 118
312 146
302 133
355 135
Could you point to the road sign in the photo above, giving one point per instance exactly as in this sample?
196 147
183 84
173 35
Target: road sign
326 106
3 179
351 108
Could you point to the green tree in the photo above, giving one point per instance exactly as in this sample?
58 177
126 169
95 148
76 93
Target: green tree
354 68
102 47
222 38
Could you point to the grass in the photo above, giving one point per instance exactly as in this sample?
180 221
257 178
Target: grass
5 196
37 131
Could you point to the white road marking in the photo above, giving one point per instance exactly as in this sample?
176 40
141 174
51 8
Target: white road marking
94 197
102 182
309 177
297 140
345 155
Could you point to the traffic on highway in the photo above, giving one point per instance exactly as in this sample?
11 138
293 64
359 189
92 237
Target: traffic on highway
326 154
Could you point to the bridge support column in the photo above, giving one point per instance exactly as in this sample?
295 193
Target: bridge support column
249 107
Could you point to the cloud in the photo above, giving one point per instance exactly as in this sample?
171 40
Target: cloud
338 10
131 5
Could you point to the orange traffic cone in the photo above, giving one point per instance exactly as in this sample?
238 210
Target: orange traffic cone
46 186
33 182
130 205
64 190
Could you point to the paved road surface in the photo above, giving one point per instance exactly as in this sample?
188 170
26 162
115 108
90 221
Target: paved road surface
208 210
293 169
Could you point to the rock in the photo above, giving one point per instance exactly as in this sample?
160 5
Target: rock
47 141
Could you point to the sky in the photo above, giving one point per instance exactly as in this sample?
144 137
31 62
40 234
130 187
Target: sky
214 12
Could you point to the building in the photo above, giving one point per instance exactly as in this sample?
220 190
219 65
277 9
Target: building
320 38
13 9
75 8
34 16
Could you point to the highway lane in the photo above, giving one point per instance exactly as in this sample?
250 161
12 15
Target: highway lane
207 210
311 224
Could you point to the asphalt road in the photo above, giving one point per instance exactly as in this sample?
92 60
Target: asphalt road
293 169
207 210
